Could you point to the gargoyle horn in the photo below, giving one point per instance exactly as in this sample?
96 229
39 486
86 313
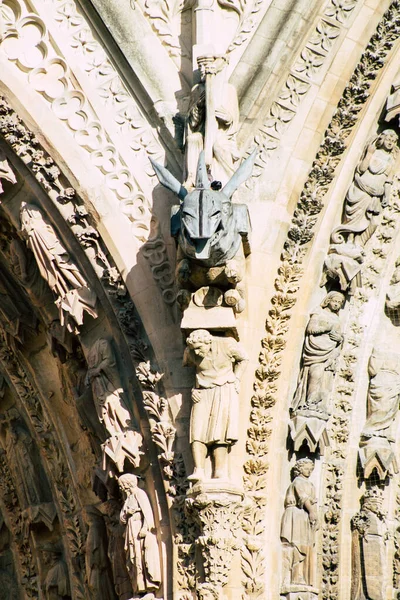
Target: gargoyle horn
168 180
202 181
240 176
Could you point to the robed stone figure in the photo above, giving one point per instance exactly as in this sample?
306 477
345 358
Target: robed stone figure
73 295
369 537
298 526
141 547
108 394
321 349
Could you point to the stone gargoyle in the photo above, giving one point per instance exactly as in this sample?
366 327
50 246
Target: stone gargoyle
211 231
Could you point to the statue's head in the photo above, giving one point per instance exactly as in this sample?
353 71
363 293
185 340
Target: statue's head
200 342
127 483
334 301
207 210
304 466
51 553
387 140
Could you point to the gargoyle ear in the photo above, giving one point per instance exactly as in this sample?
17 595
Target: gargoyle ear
240 176
168 180
202 181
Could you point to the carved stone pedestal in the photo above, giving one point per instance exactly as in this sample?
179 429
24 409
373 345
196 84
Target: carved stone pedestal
216 506
207 310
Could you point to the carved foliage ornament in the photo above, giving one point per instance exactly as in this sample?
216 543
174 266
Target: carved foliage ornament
287 283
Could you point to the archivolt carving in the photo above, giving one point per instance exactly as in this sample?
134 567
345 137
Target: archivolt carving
369 548
156 253
56 462
25 41
378 434
112 91
143 556
250 15
345 389
6 173
310 409
166 19
286 284
29 579
305 70
299 523
53 182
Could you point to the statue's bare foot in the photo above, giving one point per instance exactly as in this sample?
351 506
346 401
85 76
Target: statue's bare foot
197 475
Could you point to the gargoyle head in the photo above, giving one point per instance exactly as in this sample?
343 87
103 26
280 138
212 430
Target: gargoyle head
205 212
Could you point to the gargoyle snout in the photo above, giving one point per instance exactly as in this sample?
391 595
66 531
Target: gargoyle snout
201 214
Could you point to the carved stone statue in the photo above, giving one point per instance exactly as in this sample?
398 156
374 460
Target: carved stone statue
15 313
141 547
378 434
98 568
73 295
298 526
343 266
103 376
19 446
370 190
212 122
116 551
26 270
6 171
211 232
56 584
214 419
393 293
370 534
321 348
365 198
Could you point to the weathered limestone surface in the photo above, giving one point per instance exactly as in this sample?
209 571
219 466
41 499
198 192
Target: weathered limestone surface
199 380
